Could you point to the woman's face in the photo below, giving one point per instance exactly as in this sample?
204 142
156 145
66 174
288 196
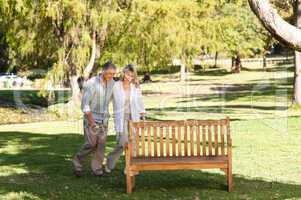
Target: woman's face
129 76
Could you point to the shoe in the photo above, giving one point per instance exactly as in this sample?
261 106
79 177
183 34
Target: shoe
107 169
98 173
77 173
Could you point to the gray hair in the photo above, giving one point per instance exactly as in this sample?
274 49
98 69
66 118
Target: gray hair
108 65
130 68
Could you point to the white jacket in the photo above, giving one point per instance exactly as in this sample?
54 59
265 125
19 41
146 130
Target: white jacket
136 104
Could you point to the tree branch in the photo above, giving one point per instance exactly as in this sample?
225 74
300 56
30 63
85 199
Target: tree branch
89 68
284 32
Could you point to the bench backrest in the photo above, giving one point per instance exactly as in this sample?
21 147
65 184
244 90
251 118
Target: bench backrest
185 138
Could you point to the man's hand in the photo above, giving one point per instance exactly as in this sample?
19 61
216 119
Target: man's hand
90 119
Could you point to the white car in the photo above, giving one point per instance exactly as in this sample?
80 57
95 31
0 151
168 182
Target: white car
11 80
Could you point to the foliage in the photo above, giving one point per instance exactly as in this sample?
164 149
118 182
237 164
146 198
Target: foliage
57 35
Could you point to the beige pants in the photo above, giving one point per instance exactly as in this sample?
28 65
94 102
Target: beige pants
95 141
122 139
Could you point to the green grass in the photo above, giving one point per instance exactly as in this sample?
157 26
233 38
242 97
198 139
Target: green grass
35 163
35 157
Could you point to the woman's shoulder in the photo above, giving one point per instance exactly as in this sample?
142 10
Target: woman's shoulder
136 88
117 84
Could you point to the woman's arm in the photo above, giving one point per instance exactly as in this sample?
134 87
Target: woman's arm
141 107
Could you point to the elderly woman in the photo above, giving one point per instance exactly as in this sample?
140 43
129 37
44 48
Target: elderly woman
128 105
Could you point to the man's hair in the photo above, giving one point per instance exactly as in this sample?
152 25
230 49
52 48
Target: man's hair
108 65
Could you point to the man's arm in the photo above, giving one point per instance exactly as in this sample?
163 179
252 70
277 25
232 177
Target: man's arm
86 100
90 119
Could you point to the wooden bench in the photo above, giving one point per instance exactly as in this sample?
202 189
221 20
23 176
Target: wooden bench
177 145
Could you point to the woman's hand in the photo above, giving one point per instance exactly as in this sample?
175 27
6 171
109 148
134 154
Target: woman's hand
142 116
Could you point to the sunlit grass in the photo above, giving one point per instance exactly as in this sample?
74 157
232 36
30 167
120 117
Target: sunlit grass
35 157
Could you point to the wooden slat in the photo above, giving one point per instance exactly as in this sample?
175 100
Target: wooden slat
131 136
191 141
210 140
198 143
167 142
137 138
185 141
173 141
180 123
222 140
143 141
155 143
215 140
161 142
179 141
228 139
204 143
149 142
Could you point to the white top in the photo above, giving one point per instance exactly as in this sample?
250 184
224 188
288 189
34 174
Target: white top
135 103
127 105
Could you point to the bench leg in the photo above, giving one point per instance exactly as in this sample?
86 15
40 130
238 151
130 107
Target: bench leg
230 180
224 170
133 181
129 185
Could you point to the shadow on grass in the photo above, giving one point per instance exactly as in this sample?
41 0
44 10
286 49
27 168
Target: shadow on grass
251 91
280 67
213 72
226 109
38 165
21 98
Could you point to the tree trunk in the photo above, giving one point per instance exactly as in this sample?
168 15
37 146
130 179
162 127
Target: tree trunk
215 59
232 63
284 32
297 78
89 68
75 80
183 72
237 64
76 94
264 61
297 75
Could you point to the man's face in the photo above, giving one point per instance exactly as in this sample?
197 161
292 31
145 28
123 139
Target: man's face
109 74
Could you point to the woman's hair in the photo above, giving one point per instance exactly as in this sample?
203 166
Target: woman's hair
130 68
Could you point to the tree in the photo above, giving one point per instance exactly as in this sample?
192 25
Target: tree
153 33
230 29
62 36
240 33
291 37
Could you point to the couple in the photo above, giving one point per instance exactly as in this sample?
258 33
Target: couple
127 105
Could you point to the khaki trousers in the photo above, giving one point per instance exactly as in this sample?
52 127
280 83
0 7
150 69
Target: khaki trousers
122 139
95 142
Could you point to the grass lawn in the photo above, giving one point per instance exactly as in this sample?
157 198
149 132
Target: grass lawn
35 157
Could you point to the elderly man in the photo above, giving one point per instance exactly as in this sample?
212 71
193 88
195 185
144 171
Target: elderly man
97 93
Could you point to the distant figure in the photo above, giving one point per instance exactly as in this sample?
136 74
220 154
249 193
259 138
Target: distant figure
80 82
146 78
